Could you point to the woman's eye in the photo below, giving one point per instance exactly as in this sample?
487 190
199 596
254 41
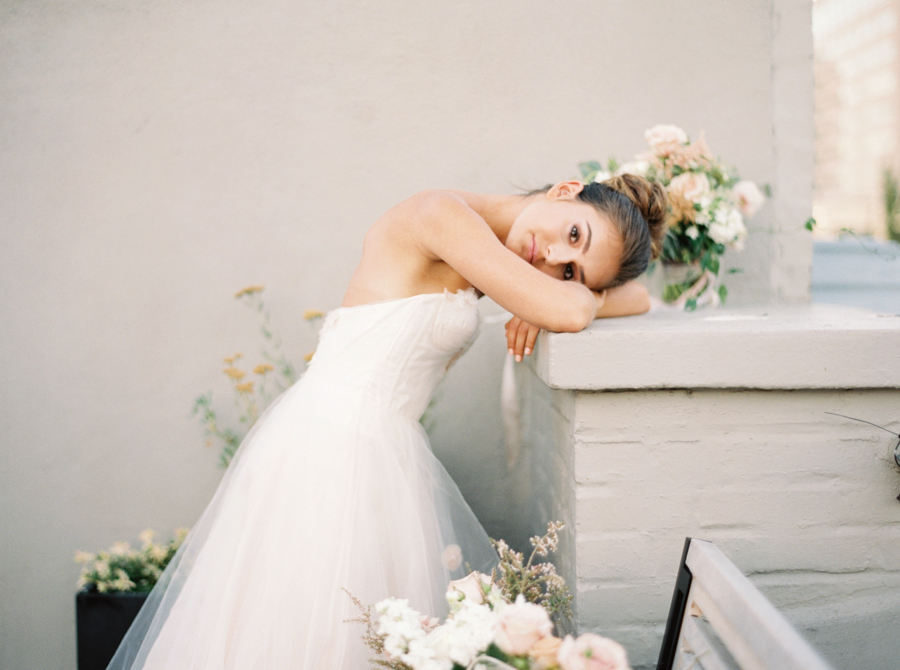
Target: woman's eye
574 235
569 272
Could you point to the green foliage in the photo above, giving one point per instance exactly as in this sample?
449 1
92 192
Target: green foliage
891 194
122 569
810 224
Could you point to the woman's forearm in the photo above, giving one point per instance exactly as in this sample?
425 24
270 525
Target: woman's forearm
625 300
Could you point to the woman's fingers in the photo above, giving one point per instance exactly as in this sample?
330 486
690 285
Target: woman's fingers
520 337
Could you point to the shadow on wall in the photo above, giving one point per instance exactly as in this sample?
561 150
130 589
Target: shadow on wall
857 271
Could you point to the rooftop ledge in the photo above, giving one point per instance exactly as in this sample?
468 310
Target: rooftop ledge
807 346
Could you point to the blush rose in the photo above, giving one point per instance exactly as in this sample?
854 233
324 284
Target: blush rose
591 652
520 626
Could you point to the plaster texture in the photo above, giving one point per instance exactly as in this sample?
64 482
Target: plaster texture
158 156
801 501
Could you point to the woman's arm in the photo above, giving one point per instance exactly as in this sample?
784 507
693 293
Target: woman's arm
625 300
451 231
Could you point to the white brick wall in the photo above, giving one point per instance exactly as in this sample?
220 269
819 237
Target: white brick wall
802 501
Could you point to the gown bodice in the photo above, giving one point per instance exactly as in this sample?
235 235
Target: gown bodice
394 353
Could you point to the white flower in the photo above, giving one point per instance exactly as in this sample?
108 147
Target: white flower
636 167
146 537
749 197
520 625
693 232
469 632
120 549
602 175
727 226
663 134
399 624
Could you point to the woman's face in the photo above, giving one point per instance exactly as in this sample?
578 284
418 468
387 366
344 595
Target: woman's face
566 238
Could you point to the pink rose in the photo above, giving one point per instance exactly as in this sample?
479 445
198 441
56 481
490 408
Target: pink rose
663 134
470 587
543 652
520 625
690 185
592 652
749 197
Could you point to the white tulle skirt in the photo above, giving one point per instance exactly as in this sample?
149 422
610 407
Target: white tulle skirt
327 493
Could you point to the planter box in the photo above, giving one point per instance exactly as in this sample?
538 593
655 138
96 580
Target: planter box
102 619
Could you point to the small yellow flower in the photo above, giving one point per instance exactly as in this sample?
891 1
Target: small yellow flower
246 387
250 290
231 359
234 373
312 314
308 357
263 368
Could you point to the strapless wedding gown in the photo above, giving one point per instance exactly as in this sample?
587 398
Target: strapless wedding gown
334 488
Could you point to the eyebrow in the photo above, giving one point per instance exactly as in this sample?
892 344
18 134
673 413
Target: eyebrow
587 245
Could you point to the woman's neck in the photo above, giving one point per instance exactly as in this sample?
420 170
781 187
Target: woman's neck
498 211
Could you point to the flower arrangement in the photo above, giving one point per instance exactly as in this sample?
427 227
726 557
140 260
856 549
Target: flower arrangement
708 206
251 394
123 569
502 620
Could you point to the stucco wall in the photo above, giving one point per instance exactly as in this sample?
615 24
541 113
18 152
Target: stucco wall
155 157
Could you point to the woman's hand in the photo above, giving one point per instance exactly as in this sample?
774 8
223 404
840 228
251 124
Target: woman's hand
520 337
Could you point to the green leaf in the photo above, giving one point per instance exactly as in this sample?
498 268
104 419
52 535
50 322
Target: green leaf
723 292
690 305
810 223
589 170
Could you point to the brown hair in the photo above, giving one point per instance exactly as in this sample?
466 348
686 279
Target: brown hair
638 209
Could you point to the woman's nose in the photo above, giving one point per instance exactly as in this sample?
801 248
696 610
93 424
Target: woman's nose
557 254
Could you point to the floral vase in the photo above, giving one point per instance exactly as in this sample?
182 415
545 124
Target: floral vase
687 286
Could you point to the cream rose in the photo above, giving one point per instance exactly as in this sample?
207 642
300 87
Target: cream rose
520 625
636 167
690 185
663 134
591 652
749 197
470 587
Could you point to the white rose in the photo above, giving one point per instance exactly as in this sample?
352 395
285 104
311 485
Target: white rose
520 625
638 167
602 175
591 652
663 134
749 197
693 232
692 185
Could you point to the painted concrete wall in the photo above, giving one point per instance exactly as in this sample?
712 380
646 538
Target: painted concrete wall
156 157
803 502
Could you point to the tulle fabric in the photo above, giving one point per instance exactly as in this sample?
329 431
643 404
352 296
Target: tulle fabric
335 488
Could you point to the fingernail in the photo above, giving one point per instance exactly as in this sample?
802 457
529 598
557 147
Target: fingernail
528 351
511 352
518 358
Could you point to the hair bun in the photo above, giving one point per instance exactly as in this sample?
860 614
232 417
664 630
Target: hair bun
650 199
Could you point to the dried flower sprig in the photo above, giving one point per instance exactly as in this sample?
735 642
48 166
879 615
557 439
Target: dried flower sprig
123 569
252 397
537 582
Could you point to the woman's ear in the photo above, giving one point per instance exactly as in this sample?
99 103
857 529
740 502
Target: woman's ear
565 190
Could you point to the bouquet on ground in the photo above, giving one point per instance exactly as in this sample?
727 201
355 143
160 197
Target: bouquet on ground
124 569
708 207
502 620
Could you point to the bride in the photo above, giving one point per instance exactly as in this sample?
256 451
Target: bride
335 487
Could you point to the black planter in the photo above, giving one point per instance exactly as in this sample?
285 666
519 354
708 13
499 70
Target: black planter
102 619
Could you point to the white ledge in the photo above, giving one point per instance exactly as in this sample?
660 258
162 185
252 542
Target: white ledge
806 346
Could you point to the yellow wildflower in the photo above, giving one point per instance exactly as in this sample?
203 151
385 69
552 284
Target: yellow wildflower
246 387
312 314
231 359
250 290
234 373
263 368
308 357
